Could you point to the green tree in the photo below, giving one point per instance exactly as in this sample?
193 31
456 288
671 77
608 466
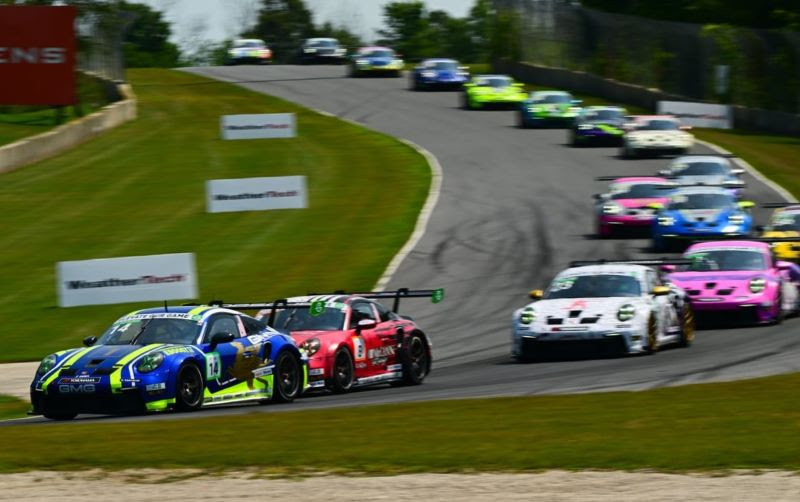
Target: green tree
146 42
408 29
283 24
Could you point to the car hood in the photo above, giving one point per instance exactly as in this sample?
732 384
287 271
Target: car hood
105 357
717 279
637 203
301 336
711 179
379 60
582 307
698 215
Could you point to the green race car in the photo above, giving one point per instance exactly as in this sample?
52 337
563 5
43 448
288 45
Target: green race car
549 108
485 91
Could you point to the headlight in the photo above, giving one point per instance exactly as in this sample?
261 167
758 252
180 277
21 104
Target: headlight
47 364
666 221
527 316
310 346
612 208
585 127
626 312
362 62
429 74
309 50
736 219
757 285
150 362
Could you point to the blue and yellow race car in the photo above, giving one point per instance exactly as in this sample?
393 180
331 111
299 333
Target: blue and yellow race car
438 74
164 358
376 61
548 108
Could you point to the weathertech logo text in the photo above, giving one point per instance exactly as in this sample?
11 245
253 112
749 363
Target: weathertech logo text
112 283
262 195
33 55
256 126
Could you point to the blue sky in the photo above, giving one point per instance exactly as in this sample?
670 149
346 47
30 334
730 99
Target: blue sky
220 19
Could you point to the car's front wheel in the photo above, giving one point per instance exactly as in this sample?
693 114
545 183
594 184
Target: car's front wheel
687 326
343 371
189 388
287 378
652 335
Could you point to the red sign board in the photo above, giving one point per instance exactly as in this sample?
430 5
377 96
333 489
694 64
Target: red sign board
37 55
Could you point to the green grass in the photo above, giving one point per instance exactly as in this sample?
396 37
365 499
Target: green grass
140 189
12 407
18 122
751 424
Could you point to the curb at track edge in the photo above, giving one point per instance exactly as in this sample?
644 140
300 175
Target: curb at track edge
427 208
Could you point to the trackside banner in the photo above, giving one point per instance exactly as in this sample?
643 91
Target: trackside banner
129 279
257 126
37 55
698 114
256 194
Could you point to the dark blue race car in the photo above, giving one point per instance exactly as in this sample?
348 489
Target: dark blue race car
178 358
438 74
596 125
700 212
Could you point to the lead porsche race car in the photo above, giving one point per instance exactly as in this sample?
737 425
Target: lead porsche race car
740 278
486 91
248 51
598 125
352 340
784 224
438 74
655 135
603 308
164 358
548 108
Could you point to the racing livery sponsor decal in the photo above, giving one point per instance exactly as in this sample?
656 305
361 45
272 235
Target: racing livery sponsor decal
247 361
213 366
359 348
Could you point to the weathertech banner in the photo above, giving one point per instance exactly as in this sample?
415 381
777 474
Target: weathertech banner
37 55
129 279
698 114
258 126
256 194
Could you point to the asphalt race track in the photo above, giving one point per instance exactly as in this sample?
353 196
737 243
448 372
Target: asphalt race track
515 209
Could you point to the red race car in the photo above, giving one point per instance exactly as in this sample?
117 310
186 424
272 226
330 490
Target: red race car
351 339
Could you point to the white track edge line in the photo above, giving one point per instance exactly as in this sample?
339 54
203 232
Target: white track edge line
427 208
787 196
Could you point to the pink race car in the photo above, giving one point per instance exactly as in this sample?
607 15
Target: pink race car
626 205
741 277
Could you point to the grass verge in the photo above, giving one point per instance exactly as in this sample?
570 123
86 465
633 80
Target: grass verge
751 424
140 189
12 407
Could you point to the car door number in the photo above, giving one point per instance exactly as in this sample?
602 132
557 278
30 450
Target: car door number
213 366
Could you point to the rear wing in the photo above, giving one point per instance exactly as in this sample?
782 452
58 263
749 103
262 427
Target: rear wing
724 184
653 262
612 178
715 154
436 295
273 307
776 205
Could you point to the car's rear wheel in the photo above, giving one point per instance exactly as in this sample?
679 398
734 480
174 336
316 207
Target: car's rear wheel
780 314
687 326
189 388
652 335
415 360
343 371
521 123
465 101
287 378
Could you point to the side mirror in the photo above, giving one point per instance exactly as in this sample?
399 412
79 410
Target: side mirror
536 294
784 266
746 204
667 268
89 340
660 291
577 101
664 172
737 171
761 228
733 184
685 128
518 84
221 337
365 324
599 196
655 205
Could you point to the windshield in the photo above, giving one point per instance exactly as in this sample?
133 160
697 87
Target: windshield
497 82
700 201
594 286
658 125
701 169
604 115
249 44
152 330
289 320
553 99
641 191
323 43
725 259
442 65
786 222
378 53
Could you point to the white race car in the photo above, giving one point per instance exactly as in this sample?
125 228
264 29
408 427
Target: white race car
604 308
655 135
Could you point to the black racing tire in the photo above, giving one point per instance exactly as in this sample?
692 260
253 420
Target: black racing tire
343 374
189 388
465 102
652 336
687 326
416 359
287 378
573 139
63 415
521 120
781 315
